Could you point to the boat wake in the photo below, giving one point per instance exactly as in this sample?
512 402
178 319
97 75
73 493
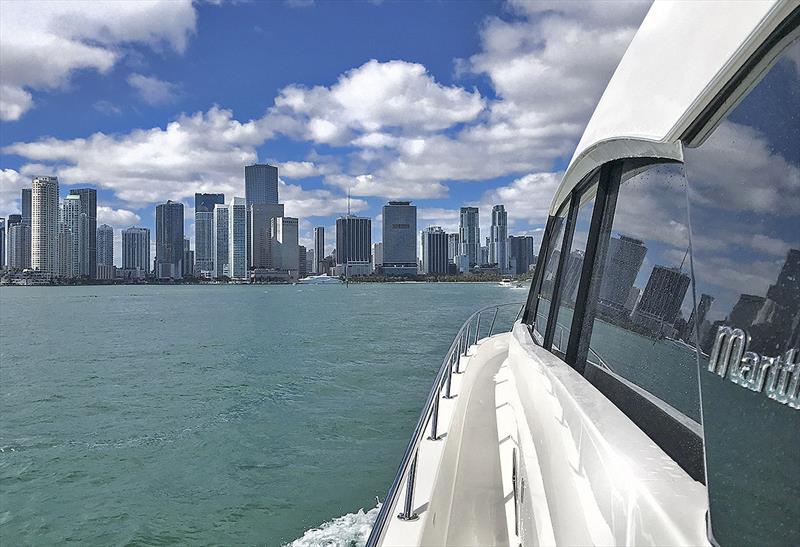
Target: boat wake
350 530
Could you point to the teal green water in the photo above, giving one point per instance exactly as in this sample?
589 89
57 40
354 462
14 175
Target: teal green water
211 414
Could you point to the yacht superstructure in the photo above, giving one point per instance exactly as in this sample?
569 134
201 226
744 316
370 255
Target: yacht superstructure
647 391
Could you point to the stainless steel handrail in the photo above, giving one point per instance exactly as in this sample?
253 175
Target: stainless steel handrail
443 379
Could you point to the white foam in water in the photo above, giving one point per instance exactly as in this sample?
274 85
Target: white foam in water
351 530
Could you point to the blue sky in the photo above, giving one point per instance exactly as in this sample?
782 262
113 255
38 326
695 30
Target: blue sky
443 103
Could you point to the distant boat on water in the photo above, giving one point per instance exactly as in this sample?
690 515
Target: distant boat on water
320 280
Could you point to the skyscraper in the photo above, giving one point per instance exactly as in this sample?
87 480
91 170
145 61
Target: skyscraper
105 245
469 234
203 231
44 224
237 238
285 250
399 238
310 260
302 268
188 258
353 245
623 261
169 240
11 221
452 247
572 276
434 250
2 243
136 250
377 256
220 242
65 258
498 239
75 221
261 184
319 248
520 253
662 298
19 246
26 205
87 261
697 319
260 217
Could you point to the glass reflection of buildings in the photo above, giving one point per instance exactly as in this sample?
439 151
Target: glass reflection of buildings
661 300
625 258
773 322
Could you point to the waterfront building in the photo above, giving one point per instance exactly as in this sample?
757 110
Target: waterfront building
105 245
106 272
204 232
302 267
353 245
310 260
498 238
87 261
65 258
26 205
319 249
169 240
469 234
237 238
662 298
624 259
75 220
188 258
434 251
377 256
462 263
261 184
400 238
2 243
520 254
44 224
452 247
484 255
18 250
220 242
259 236
286 253
136 251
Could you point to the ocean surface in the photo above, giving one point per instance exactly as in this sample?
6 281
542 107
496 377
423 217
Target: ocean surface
214 414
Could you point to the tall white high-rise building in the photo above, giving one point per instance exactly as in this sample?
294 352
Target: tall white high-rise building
76 222
203 232
136 250
285 247
105 245
44 224
219 243
260 217
319 249
498 240
377 256
230 239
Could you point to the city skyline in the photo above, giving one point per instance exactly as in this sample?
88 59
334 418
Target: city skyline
195 131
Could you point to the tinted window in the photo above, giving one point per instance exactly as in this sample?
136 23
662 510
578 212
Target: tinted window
573 267
744 183
644 301
552 255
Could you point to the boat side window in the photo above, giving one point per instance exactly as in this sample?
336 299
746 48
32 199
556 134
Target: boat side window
571 276
744 189
551 259
640 331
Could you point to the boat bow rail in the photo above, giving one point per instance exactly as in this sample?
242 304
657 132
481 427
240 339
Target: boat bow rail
468 334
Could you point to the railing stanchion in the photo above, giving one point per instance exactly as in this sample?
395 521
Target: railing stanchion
519 313
466 341
449 378
494 318
408 511
434 436
478 328
457 356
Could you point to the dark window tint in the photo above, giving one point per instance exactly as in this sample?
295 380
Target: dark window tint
744 187
572 269
551 258
644 302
